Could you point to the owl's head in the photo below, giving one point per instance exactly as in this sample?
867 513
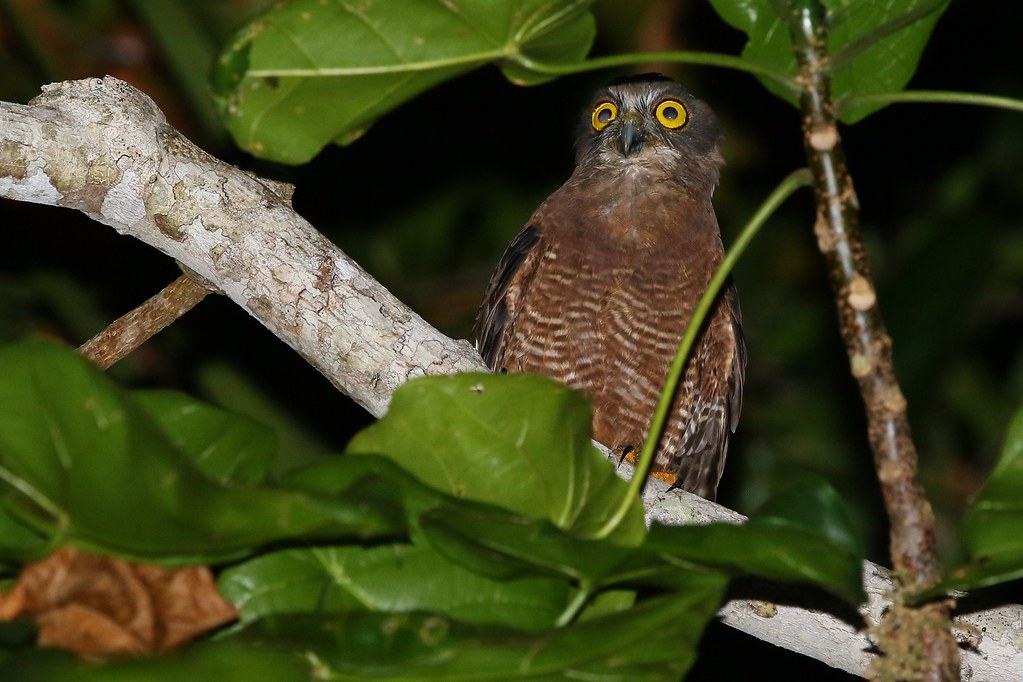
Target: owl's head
650 120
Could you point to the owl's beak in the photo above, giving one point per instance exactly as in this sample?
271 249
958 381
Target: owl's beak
632 138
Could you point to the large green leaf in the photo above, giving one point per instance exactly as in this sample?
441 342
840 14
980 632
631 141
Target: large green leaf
874 46
803 535
518 441
81 462
654 641
992 526
388 578
504 545
219 662
308 72
225 446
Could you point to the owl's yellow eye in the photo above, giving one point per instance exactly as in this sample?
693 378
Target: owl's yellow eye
671 114
604 113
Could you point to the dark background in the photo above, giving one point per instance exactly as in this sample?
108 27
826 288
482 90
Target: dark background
430 196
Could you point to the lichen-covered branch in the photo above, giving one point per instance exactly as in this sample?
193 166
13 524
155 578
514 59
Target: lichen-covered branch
102 147
918 642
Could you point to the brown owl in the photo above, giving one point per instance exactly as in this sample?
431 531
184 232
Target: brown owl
597 289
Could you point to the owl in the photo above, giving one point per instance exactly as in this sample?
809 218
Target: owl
597 289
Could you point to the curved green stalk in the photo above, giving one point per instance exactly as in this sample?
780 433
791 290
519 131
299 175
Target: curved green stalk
791 183
575 606
727 61
932 96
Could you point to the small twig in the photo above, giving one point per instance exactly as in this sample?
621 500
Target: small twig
130 331
917 638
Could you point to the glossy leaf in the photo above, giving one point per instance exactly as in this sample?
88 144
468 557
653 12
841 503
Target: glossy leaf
654 641
804 535
389 578
225 446
496 543
309 72
518 441
874 46
81 462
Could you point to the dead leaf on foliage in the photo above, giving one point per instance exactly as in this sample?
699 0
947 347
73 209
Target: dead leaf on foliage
95 605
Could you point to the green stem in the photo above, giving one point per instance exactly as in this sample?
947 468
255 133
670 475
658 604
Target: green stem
727 61
574 607
58 519
791 183
931 96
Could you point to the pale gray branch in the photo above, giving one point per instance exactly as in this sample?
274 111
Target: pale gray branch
102 147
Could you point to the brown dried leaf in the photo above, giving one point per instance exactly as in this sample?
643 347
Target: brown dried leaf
95 605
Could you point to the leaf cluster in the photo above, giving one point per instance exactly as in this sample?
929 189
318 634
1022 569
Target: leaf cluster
455 537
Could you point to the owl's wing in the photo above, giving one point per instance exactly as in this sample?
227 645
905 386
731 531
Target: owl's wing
511 277
704 448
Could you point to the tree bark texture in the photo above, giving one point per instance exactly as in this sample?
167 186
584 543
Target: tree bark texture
917 642
102 147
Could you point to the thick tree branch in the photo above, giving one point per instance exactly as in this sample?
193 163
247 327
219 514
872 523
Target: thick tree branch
102 147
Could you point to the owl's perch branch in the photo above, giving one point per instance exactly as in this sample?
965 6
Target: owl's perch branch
932 653
102 147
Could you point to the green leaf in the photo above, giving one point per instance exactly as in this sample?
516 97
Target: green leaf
652 642
991 528
804 535
81 462
225 446
308 72
221 661
389 578
518 441
874 46
504 545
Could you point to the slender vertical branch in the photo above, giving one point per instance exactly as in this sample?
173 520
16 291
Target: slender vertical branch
130 331
917 641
